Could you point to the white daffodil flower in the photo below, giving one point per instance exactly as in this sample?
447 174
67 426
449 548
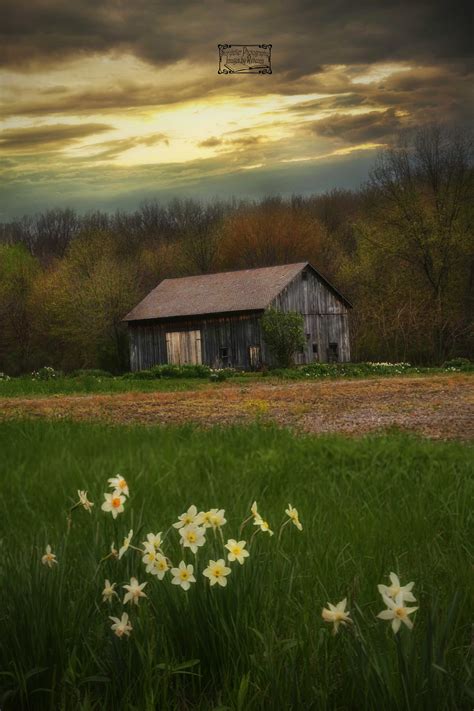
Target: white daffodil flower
113 503
293 514
109 591
264 525
397 589
187 518
119 484
153 541
135 591
217 572
336 614
84 501
183 575
217 518
192 537
159 567
397 612
236 550
49 557
149 559
121 627
254 510
125 545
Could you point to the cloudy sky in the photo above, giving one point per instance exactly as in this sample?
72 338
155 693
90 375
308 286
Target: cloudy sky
105 103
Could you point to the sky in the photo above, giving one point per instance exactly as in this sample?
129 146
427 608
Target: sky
107 103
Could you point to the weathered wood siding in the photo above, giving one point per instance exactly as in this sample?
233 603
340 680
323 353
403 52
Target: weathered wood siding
325 315
234 332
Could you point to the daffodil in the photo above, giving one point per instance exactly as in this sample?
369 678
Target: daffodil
113 550
113 503
109 591
135 591
118 483
396 589
264 525
125 544
49 557
254 510
217 518
149 559
153 541
336 614
192 537
159 567
84 501
188 517
293 514
236 550
183 575
397 612
121 626
217 572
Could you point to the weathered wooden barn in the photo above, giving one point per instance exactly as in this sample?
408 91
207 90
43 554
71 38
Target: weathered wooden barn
215 318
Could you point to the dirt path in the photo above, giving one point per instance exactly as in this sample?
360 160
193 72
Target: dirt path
441 407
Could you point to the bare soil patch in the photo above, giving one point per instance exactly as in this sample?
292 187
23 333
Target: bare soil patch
440 407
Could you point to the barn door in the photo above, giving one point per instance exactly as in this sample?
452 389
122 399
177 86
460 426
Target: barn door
183 347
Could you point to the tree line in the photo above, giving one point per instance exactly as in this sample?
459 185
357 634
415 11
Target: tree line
401 248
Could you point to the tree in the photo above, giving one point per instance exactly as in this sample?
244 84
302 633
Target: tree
283 332
422 195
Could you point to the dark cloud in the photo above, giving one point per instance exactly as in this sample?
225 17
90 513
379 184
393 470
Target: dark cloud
50 136
363 128
305 34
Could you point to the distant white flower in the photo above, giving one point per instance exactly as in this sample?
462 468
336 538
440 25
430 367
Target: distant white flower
121 627
149 559
236 550
125 544
254 510
264 525
396 589
336 614
293 514
159 567
153 541
109 591
187 518
84 501
217 518
119 484
113 550
49 557
397 612
192 537
113 503
217 572
135 591
183 575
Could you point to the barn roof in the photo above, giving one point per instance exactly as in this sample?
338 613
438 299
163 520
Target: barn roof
244 290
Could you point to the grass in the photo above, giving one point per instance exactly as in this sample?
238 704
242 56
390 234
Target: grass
26 386
368 506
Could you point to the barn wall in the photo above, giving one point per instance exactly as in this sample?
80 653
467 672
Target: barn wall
236 333
325 316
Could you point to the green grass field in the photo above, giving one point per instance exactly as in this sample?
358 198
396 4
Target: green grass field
368 506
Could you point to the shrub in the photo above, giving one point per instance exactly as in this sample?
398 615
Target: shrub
463 364
283 332
46 373
220 374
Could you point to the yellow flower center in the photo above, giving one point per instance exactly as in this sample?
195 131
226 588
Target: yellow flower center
217 572
191 537
339 616
236 550
184 575
116 502
122 484
400 612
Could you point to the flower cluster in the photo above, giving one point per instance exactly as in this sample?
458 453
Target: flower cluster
4 376
394 597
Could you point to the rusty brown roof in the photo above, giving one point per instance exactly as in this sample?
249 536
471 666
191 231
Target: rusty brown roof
245 290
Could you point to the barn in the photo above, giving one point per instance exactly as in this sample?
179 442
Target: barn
215 318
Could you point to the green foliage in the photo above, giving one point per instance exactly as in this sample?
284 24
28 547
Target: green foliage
463 364
170 371
368 506
283 332
90 372
46 373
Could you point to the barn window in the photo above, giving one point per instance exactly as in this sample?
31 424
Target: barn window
308 336
333 352
315 348
224 356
